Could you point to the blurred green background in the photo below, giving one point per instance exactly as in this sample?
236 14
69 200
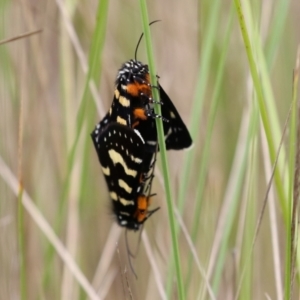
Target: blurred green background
48 110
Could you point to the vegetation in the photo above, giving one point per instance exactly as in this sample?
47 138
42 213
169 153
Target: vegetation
230 69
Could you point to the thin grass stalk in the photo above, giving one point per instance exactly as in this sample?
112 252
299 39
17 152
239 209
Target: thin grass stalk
260 218
207 143
162 147
275 239
154 266
271 199
10 179
249 219
194 254
107 255
271 106
196 111
261 104
211 121
232 195
281 10
85 170
20 36
264 72
68 82
21 227
94 70
85 173
69 290
79 52
294 193
21 239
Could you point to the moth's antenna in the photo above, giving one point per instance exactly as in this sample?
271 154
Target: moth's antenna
137 46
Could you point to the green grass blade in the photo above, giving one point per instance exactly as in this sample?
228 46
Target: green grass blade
162 147
277 30
204 69
261 103
215 101
94 71
239 173
291 237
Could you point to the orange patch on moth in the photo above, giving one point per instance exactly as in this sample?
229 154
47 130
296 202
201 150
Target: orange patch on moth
142 206
135 88
139 113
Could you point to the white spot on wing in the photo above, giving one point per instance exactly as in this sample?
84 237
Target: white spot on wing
169 133
172 115
106 171
123 223
121 121
113 196
124 213
117 93
117 158
136 159
139 134
124 101
126 202
125 186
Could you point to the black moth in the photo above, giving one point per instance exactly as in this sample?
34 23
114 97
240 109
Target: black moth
128 169
131 118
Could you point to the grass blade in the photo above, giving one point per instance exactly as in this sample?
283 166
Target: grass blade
163 153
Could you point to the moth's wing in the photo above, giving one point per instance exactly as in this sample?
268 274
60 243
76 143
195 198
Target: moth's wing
177 136
121 152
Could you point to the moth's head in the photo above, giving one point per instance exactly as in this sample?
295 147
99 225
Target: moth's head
132 70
